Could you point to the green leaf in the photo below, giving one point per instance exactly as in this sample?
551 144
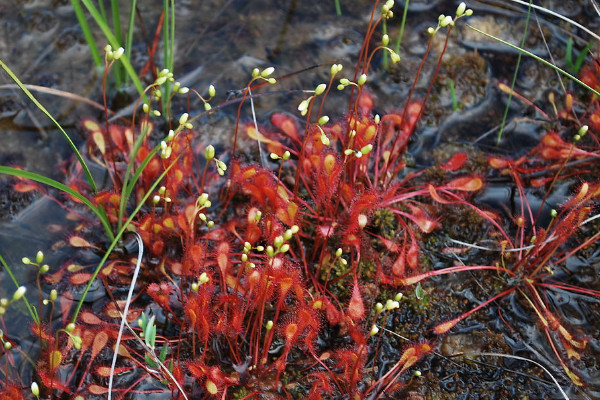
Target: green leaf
64 188
84 166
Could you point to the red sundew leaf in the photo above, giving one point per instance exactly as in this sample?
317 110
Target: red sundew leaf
325 230
98 139
89 318
435 195
498 163
97 389
423 221
196 252
412 255
52 382
77 241
454 163
100 341
12 392
466 184
25 187
287 125
104 371
399 266
365 103
356 307
80 278
223 257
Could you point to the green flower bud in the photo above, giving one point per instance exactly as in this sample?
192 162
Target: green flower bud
53 295
20 292
362 80
118 53
320 89
267 71
209 152
374 330
462 7
323 120
183 119
385 40
35 389
269 325
255 72
39 257
212 91
286 155
26 260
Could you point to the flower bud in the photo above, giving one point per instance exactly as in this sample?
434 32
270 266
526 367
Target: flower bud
323 120
39 257
385 40
183 119
361 80
212 91
267 71
255 72
286 155
53 295
269 325
20 292
44 268
70 327
462 7
118 53
320 89
209 152
338 252
26 260
374 330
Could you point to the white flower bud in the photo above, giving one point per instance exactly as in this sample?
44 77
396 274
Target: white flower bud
20 292
118 53
212 91
267 71
183 119
320 89
462 7
323 120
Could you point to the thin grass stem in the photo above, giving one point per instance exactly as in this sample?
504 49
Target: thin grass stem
540 59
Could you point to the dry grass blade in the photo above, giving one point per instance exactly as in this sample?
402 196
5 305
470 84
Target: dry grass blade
125 311
531 361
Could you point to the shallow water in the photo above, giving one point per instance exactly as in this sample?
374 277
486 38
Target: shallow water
220 42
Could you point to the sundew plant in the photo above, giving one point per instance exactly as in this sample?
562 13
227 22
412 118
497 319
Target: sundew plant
295 260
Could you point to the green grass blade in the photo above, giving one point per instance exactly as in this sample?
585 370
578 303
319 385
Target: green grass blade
116 18
540 59
84 166
118 237
32 312
130 28
112 40
402 25
581 58
87 33
514 79
127 186
338 8
62 187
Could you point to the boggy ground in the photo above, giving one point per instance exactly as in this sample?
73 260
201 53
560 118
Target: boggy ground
454 367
